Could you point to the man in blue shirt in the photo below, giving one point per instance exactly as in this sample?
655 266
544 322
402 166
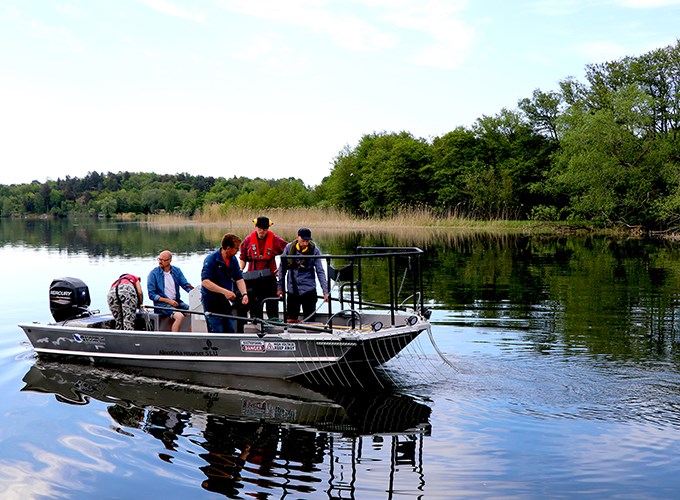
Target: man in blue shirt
221 278
163 285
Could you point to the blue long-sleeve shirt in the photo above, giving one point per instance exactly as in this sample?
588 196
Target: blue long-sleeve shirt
156 284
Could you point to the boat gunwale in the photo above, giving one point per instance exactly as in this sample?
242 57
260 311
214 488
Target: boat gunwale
312 335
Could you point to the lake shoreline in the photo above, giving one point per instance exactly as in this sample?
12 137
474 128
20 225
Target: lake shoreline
421 220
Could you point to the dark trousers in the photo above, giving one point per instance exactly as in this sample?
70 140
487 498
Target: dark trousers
217 324
258 290
306 300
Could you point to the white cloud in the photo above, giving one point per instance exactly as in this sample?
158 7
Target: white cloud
268 49
259 47
646 4
69 10
171 9
567 7
378 25
57 36
443 55
355 34
449 38
556 8
346 30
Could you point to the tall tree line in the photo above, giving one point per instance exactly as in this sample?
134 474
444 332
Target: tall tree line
113 194
606 151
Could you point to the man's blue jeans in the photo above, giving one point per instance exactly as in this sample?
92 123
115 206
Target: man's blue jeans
218 324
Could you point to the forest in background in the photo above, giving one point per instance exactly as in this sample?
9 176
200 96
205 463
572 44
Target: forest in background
605 151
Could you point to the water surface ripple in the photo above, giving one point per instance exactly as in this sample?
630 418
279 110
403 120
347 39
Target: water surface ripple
560 379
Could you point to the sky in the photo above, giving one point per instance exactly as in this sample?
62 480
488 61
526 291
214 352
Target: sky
278 88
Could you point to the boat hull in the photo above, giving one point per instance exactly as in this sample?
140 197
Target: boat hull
322 358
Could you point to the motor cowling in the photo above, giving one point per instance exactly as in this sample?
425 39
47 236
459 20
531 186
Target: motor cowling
69 299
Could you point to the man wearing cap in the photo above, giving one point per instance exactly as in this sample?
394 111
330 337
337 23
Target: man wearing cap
259 251
300 276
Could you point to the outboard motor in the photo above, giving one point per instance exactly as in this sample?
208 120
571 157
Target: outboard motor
69 299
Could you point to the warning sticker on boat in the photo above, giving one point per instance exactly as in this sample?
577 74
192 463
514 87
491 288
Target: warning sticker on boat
279 346
262 346
252 346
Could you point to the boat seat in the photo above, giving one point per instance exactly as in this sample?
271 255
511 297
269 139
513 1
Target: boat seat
95 321
140 321
160 323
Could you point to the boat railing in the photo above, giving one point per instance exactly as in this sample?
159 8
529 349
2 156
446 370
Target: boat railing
350 279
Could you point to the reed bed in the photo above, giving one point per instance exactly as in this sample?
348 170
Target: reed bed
405 227
322 220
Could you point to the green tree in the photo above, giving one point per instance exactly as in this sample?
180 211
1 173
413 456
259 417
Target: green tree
454 154
510 158
395 173
341 187
606 165
542 111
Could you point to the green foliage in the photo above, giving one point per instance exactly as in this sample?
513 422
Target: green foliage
542 111
545 213
147 193
608 164
341 187
453 155
393 172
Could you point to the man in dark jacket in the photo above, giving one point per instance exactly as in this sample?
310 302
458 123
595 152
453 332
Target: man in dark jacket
300 276
221 278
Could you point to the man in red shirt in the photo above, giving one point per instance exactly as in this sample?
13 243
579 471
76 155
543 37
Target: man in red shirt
259 251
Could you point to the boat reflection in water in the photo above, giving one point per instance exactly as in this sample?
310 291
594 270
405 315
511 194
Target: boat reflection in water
254 435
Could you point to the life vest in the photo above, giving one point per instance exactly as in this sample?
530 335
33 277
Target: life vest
254 251
300 264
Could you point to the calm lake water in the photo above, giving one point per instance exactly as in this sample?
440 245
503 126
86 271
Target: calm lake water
559 376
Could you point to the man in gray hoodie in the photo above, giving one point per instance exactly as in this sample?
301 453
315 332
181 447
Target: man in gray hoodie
300 276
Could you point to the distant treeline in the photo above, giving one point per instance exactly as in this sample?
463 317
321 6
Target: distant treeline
606 151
